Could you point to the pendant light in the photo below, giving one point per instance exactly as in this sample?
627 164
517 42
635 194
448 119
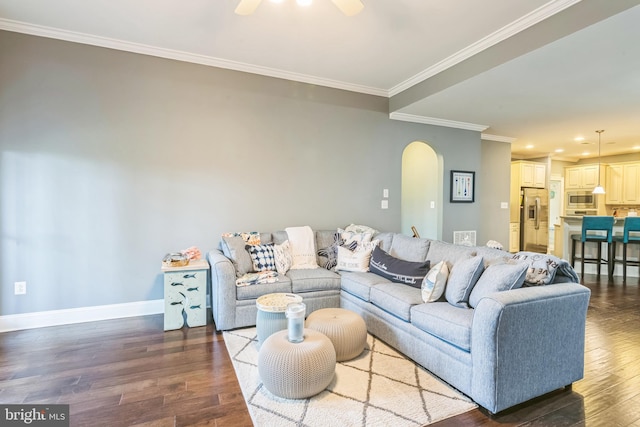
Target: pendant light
599 189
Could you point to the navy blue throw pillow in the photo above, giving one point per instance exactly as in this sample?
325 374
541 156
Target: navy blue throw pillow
398 270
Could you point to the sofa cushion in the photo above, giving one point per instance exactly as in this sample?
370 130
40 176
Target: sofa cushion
385 239
462 278
452 254
254 291
434 282
309 280
409 248
396 298
498 278
233 247
360 284
397 270
493 256
449 323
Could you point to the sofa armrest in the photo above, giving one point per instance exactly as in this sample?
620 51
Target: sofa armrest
223 290
527 342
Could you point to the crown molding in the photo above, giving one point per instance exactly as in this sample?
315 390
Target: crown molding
436 122
497 138
143 49
529 20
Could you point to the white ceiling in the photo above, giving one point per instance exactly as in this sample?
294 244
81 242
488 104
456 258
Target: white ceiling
532 71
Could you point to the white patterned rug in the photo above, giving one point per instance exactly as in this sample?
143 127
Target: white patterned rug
381 387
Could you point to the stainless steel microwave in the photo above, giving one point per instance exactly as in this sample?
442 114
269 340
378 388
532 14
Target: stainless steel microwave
584 199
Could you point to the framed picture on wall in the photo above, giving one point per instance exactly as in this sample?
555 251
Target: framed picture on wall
462 187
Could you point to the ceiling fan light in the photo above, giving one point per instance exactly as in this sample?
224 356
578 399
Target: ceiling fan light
349 7
247 7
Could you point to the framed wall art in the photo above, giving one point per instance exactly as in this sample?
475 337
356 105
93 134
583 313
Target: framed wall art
462 187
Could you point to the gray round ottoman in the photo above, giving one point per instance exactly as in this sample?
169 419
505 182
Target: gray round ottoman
346 330
296 370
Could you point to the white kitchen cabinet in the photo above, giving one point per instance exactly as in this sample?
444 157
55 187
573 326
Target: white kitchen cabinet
529 174
622 184
581 177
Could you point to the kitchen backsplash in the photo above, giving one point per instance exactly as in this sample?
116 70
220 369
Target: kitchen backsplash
622 211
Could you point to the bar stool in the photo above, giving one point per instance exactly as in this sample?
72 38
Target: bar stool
631 225
598 229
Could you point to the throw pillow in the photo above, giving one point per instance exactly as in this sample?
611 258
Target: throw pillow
284 260
250 237
352 236
233 248
498 278
398 270
434 282
357 260
329 255
360 229
464 275
262 256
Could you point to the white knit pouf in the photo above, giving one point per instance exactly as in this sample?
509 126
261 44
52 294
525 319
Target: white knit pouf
346 330
296 370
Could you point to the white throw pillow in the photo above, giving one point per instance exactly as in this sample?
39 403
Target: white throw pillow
352 236
284 259
434 282
357 260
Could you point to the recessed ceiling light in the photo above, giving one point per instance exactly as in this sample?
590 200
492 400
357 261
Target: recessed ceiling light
636 147
586 153
579 138
529 146
559 150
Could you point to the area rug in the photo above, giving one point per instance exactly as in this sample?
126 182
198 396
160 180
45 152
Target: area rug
381 387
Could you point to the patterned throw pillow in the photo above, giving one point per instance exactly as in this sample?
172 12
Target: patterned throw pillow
434 282
331 251
262 256
283 257
351 236
249 237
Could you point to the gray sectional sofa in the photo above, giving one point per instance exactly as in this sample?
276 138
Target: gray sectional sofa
513 346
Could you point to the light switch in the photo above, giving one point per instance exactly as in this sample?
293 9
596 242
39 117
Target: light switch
384 204
385 193
433 204
504 205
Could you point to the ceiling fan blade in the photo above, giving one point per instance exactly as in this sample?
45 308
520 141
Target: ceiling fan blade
247 7
349 7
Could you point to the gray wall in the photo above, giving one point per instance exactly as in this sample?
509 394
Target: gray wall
109 160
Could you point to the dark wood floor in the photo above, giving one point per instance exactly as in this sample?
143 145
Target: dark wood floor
130 372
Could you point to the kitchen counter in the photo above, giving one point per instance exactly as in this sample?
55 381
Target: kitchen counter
573 225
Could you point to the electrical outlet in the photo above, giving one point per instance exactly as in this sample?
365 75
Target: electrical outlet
20 288
385 193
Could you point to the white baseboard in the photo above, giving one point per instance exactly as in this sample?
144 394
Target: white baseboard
14 322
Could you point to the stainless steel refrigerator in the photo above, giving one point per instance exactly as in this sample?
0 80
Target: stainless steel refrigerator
534 220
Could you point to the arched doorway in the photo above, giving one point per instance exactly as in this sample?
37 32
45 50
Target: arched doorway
421 204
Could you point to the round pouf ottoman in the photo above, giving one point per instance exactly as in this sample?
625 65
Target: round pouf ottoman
296 370
346 330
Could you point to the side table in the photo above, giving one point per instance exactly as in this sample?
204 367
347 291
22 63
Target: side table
185 290
271 313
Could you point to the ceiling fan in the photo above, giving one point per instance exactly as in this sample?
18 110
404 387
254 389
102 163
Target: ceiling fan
348 7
